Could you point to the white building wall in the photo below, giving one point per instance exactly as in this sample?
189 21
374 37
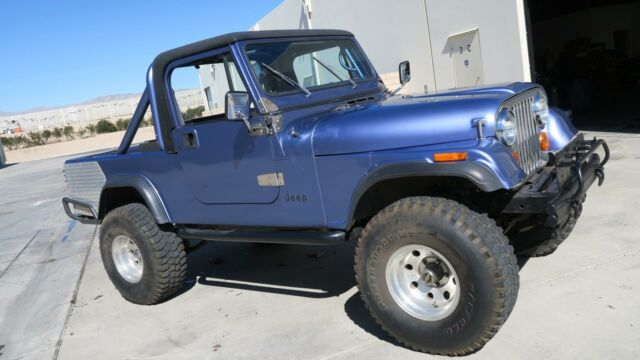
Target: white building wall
214 86
290 14
393 31
499 27
386 34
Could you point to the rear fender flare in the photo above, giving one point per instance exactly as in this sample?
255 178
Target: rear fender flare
147 191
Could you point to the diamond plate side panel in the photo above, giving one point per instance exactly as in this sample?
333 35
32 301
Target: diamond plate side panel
85 181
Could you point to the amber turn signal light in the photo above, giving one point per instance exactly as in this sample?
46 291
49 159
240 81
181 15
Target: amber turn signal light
454 156
543 139
516 155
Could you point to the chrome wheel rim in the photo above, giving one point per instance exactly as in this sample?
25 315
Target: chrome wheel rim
127 258
423 282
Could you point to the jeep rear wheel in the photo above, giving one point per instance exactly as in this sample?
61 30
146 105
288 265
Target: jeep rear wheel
146 264
436 276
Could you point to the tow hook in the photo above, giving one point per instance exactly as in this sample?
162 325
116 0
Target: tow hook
600 175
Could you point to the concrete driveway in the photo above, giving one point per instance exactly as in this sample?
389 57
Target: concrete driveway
299 302
42 253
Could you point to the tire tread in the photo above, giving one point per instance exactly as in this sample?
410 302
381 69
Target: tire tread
168 251
488 238
555 239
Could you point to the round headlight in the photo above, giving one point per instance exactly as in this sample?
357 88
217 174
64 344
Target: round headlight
506 127
540 107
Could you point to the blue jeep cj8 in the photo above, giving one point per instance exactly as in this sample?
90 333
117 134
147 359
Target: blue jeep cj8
310 147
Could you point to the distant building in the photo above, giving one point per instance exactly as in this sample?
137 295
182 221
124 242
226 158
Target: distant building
213 91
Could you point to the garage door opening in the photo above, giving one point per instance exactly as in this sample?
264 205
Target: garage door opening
587 55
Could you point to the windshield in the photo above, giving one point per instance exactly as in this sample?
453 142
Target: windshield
310 64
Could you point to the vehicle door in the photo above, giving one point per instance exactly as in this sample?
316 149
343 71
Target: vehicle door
222 162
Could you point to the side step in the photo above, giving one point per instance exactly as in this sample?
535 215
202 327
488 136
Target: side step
293 237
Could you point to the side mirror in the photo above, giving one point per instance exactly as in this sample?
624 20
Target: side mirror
404 71
237 106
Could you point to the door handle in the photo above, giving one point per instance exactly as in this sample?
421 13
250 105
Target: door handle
189 140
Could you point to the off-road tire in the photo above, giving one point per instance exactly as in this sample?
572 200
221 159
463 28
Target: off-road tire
478 251
552 238
163 254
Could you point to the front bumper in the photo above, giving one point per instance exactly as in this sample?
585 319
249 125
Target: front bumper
559 190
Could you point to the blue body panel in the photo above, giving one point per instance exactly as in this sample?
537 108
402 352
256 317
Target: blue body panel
341 175
560 129
325 150
402 122
233 160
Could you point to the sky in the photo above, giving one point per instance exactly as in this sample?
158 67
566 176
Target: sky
55 53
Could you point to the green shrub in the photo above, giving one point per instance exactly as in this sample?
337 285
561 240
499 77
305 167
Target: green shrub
6 142
57 132
19 141
105 126
68 132
146 121
91 129
122 124
193 113
35 139
46 135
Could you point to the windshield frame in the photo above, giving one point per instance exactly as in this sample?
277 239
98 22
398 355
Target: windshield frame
315 89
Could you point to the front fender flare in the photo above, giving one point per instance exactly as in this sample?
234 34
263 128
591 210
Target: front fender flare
560 130
147 191
477 173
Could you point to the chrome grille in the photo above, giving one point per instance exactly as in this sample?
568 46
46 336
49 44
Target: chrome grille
527 144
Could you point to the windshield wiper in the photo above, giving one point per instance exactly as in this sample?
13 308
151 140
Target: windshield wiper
286 78
353 83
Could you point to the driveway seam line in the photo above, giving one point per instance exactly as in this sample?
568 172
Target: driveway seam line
20 253
75 295
579 270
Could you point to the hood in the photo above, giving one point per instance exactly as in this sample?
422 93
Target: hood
401 122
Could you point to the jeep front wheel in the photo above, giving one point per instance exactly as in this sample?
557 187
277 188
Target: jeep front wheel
146 264
436 276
